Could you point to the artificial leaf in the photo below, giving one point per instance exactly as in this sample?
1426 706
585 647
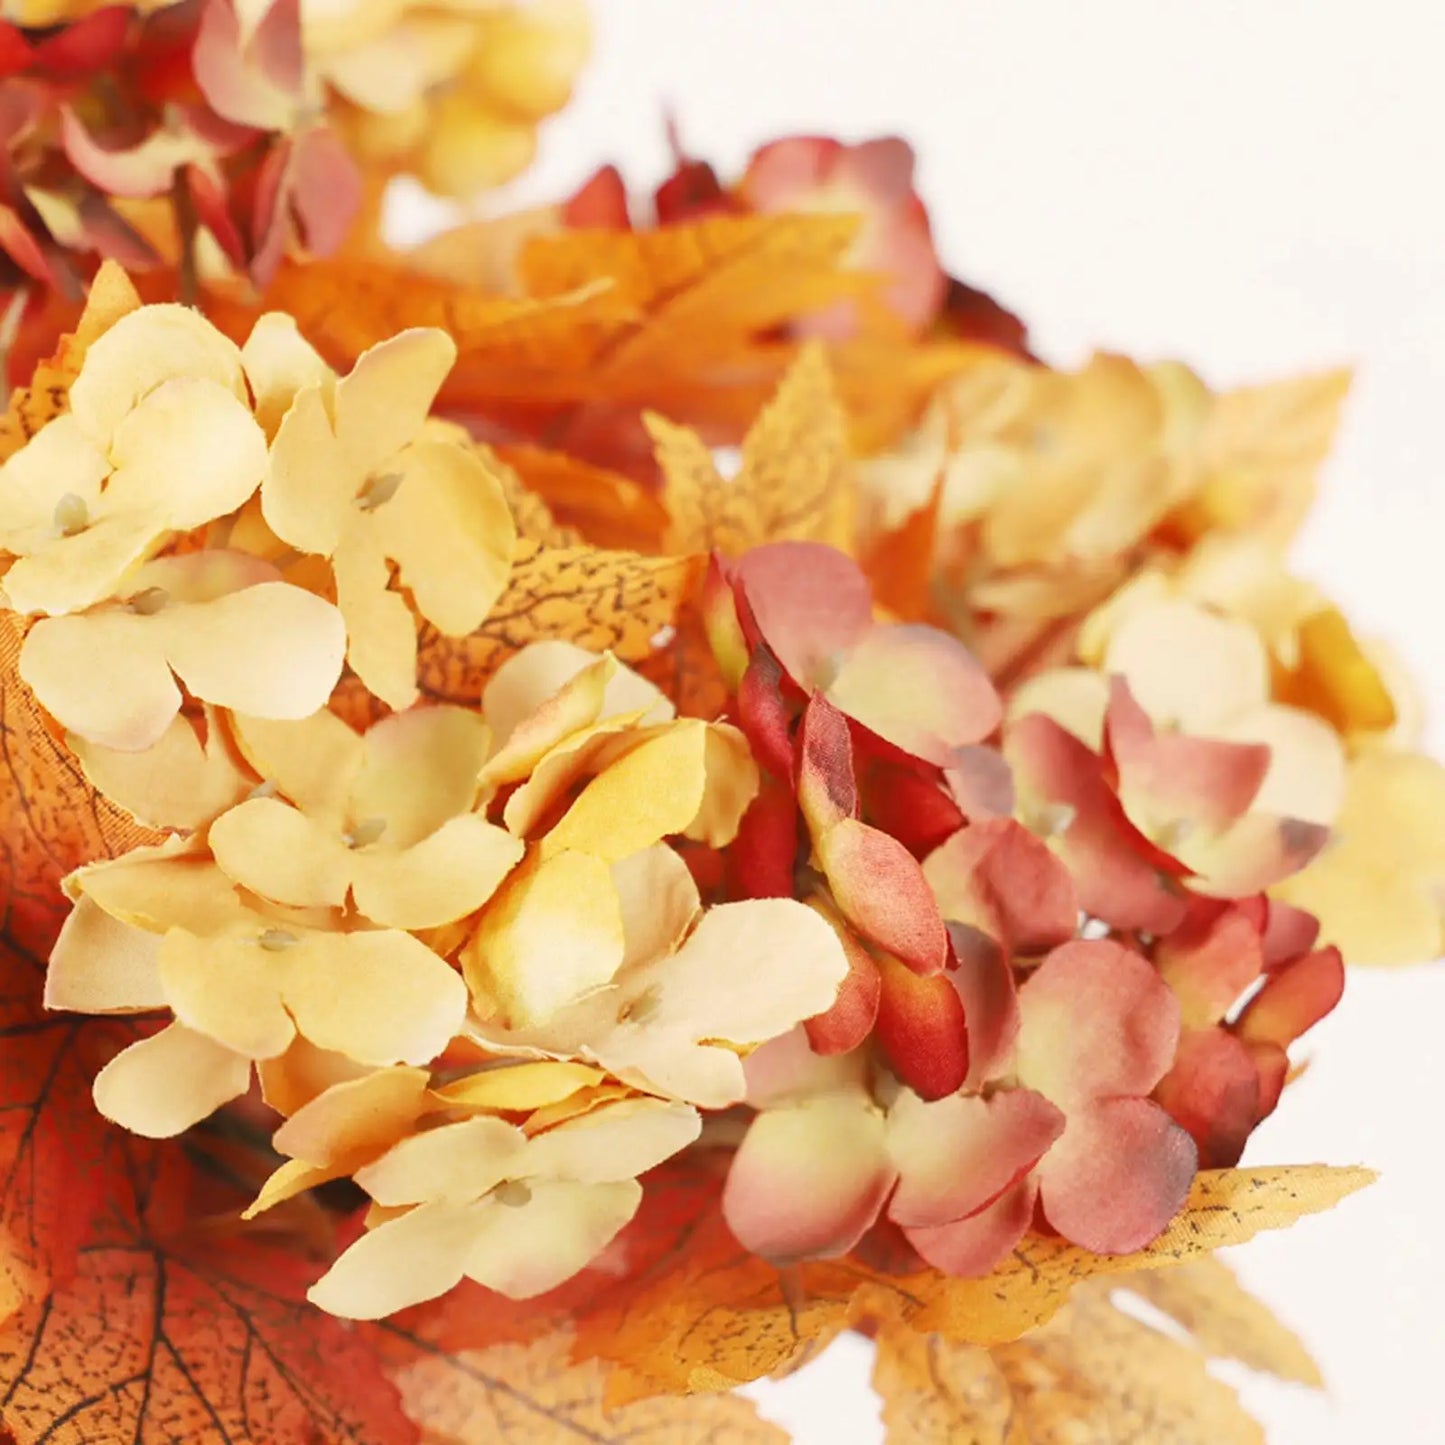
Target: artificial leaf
696 1312
1091 1376
899 562
1225 1320
174 1330
535 1392
793 483
600 600
51 820
605 508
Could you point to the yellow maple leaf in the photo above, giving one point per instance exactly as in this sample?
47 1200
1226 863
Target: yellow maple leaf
724 1317
1225 1321
794 482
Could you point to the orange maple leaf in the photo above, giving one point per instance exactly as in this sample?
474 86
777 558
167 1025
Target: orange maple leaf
174 1329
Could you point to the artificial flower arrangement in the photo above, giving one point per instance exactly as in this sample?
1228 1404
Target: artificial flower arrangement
592 805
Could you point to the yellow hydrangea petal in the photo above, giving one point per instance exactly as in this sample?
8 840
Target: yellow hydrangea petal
77 571
58 460
732 784
272 650
100 965
1188 666
525 1250
518 1088
191 449
228 988
381 631
169 886
454 1163
102 676
282 854
551 935
439 880
309 494
616 1142
1075 697
177 782
280 363
380 998
163 1085
655 791
538 697
414 1257
419 770
382 403
450 532
1306 777
355 1117
659 901
292 1178
139 353
314 760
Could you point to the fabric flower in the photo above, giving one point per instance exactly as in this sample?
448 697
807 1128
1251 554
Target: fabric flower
619 965
1379 888
1054 1114
384 820
165 929
516 1211
1232 1060
358 477
222 623
158 439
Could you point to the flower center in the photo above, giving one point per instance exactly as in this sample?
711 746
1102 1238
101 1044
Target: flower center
365 833
71 515
378 491
149 602
277 940
513 1193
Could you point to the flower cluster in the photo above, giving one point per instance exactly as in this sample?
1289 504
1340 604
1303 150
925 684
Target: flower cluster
474 851
228 132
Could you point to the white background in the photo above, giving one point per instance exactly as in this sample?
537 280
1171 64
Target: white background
1253 188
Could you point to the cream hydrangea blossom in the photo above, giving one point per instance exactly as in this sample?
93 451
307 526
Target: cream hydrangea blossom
384 820
164 929
515 1210
358 475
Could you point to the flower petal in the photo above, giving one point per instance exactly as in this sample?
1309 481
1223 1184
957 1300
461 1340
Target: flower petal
380 629
439 880
974 1247
314 761
100 965
103 676
881 890
1120 1173
310 488
922 1029
809 1179
277 851
191 450
420 770
379 998
450 532
957 1155
917 688
454 1163
382 403
139 353
984 981
355 1117
271 650
1213 1091
659 902
653 792
178 782
1095 1020
518 1088
1210 962
228 988
850 1020
1294 999
279 363
404 1261
618 1141
810 602
552 934
163 1085
525 1250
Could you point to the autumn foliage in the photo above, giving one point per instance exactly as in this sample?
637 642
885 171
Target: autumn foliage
591 806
